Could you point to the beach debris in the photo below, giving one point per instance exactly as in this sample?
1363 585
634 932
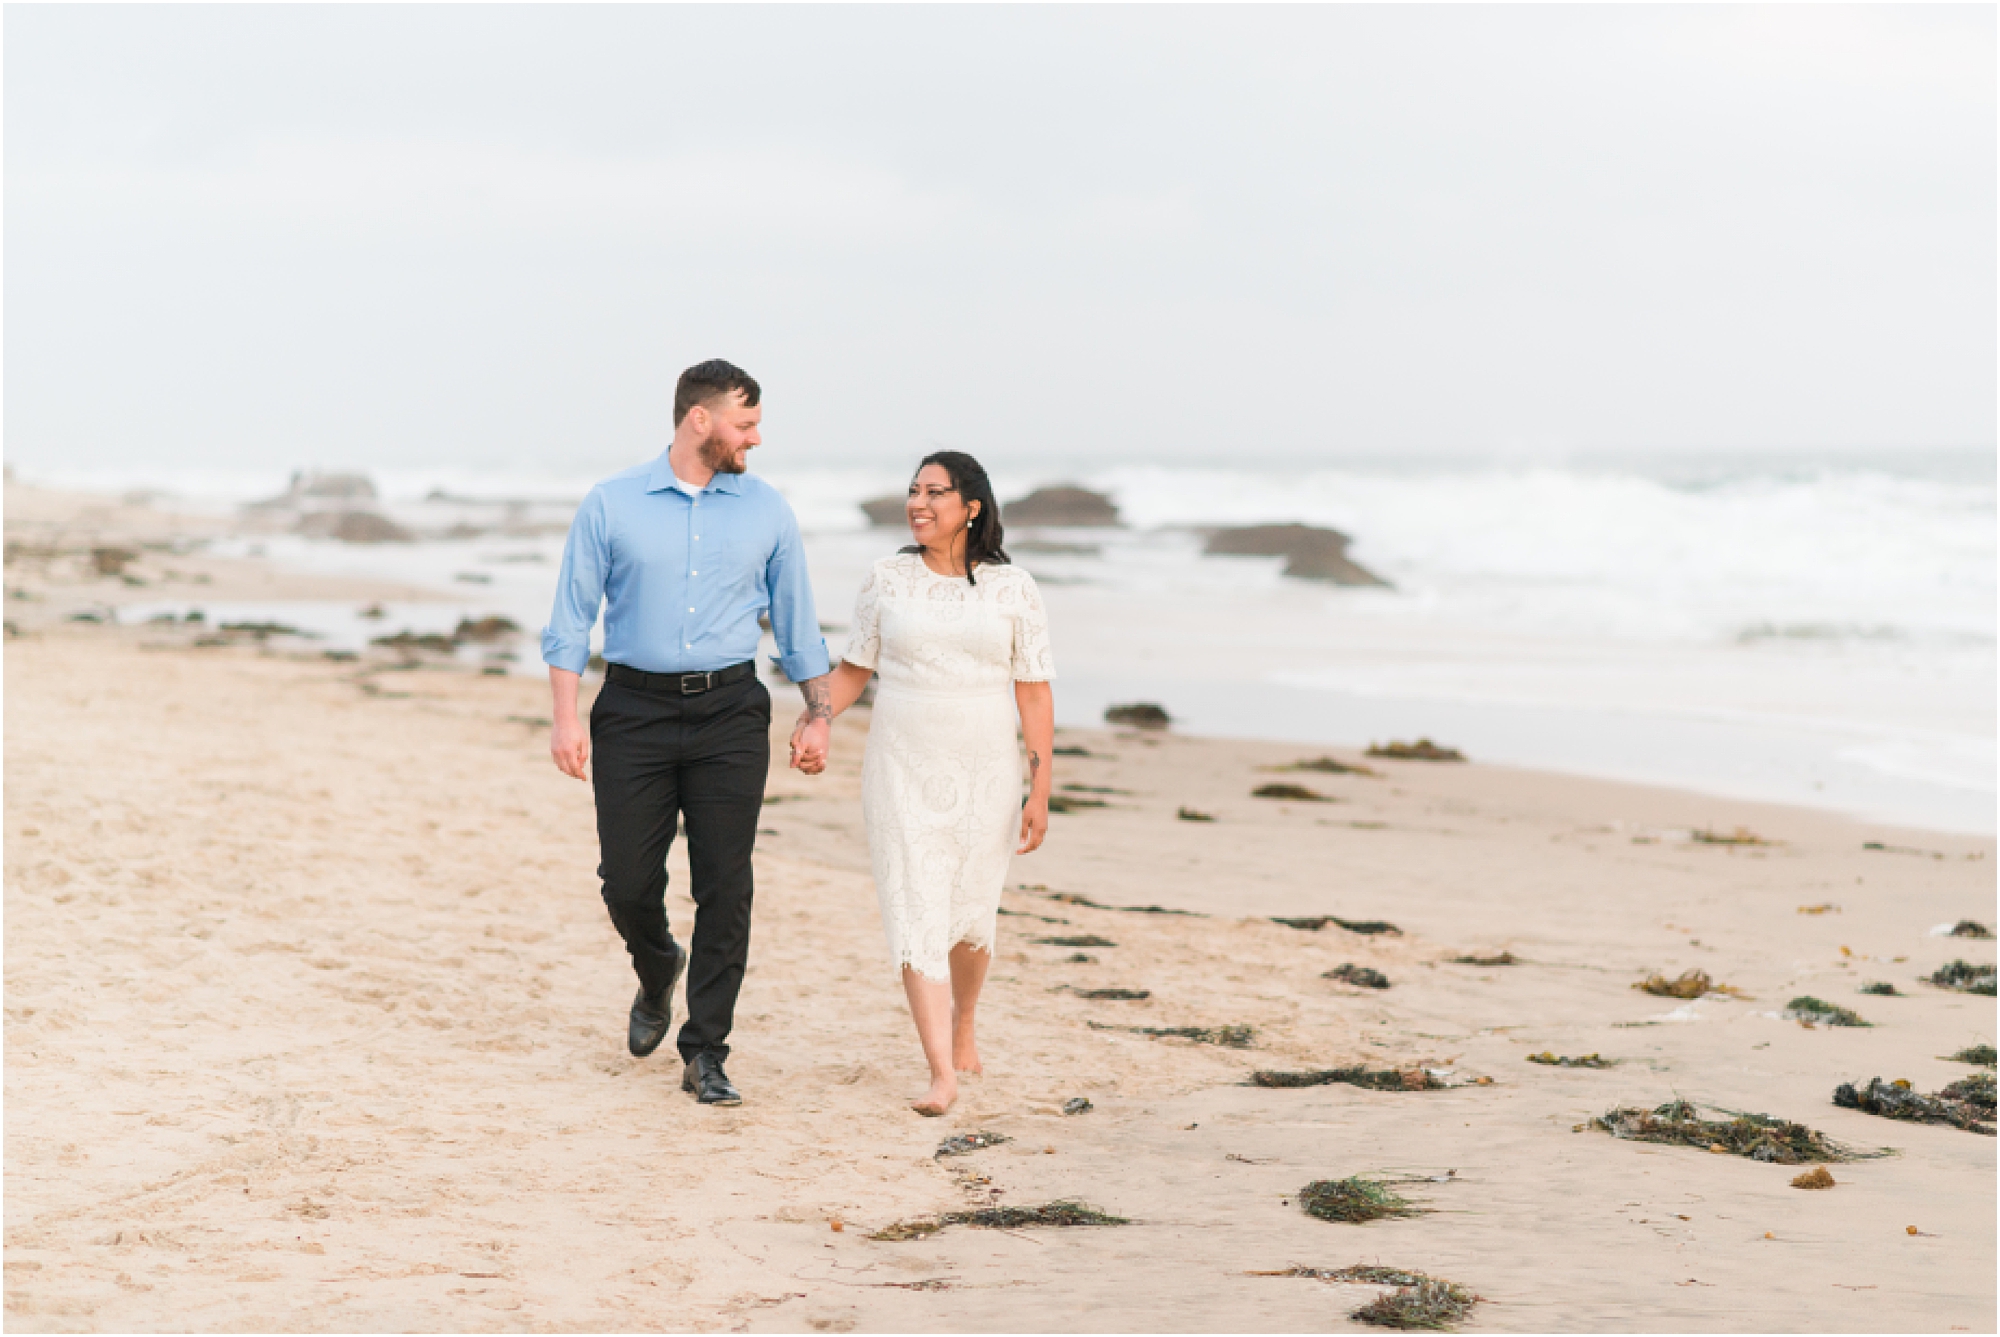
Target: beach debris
1193 815
836 1225
1689 984
1431 1304
1071 750
1371 1079
1079 959
1138 715
1362 977
492 627
1549 1059
1742 835
1229 1037
1354 1201
1982 1055
1064 505
1314 923
1820 1012
1067 1212
1912 849
1077 940
1421 750
1078 1105
1969 928
1824 908
409 640
1756 1136
1291 793
1071 898
1963 977
1817 1177
261 630
1966 1103
1113 995
1503 959
966 1142
1328 766
1094 789
374 612
1310 553
1071 803
1360 1273
1881 989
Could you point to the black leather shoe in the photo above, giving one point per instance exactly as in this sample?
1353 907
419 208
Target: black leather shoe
653 1017
710 1084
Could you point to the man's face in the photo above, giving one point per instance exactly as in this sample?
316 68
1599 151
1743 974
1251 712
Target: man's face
732 432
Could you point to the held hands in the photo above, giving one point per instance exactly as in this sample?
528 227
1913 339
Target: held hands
811 739
570 746
1034 823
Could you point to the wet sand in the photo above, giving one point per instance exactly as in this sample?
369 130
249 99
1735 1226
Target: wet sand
315 1022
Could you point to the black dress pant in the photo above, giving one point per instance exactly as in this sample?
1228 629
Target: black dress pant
658 757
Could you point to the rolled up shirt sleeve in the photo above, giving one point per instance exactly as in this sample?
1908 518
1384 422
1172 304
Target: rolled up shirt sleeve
579 588
794 621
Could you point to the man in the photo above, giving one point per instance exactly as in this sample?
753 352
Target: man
685 553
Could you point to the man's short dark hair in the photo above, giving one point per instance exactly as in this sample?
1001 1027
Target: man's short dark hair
706 382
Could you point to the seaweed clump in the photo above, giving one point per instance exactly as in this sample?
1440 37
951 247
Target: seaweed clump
1742 835
1549 1059
1817 1177
1314 923
1067 1212
1138 715
1969 928
1113 995
1503 959
1431 1304
1371 1079
1966 1103
1071 898
1982 1055
1078 1105
1072 803
1881 989
1294 793
1819 1012
1330 766
1194 815
965 1142
1229 1037
1421 750
1964 977
1689 984
1077 940
1757 1136
1354 1201
1362 977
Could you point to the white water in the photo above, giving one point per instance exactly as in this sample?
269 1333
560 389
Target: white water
1817 632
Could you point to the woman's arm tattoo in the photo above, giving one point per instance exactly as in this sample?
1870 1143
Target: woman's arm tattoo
819 699
1034 765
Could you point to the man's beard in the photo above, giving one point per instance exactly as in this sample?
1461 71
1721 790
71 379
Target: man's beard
721 458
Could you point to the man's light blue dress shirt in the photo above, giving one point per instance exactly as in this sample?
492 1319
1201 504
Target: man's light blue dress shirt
683 577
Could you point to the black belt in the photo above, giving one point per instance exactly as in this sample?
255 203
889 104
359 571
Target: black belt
680 684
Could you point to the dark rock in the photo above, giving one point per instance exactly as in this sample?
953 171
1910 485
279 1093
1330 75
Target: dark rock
1062 505
1310 553
1139 715
886 512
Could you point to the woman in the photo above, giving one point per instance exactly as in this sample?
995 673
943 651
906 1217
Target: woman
950 625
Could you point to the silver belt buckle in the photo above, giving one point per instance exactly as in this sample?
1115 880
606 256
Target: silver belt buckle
689 681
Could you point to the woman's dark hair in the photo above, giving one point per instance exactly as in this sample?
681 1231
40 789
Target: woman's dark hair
984 532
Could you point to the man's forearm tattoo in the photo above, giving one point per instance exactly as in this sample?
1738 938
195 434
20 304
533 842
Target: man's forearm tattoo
819 701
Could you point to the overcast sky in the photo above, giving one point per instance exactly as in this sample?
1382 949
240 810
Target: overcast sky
255 237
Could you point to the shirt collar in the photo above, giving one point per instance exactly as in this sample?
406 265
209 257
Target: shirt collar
662 479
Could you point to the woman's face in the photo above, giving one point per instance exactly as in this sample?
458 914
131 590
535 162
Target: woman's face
936 512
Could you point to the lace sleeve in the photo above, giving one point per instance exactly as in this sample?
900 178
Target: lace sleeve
864 643
1033 661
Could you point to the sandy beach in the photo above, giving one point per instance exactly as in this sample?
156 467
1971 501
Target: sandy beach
315 1022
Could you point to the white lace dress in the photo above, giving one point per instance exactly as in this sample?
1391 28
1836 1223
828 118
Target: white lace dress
941 777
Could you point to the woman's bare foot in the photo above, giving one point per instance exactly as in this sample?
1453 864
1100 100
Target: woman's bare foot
943 1092
965 1056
